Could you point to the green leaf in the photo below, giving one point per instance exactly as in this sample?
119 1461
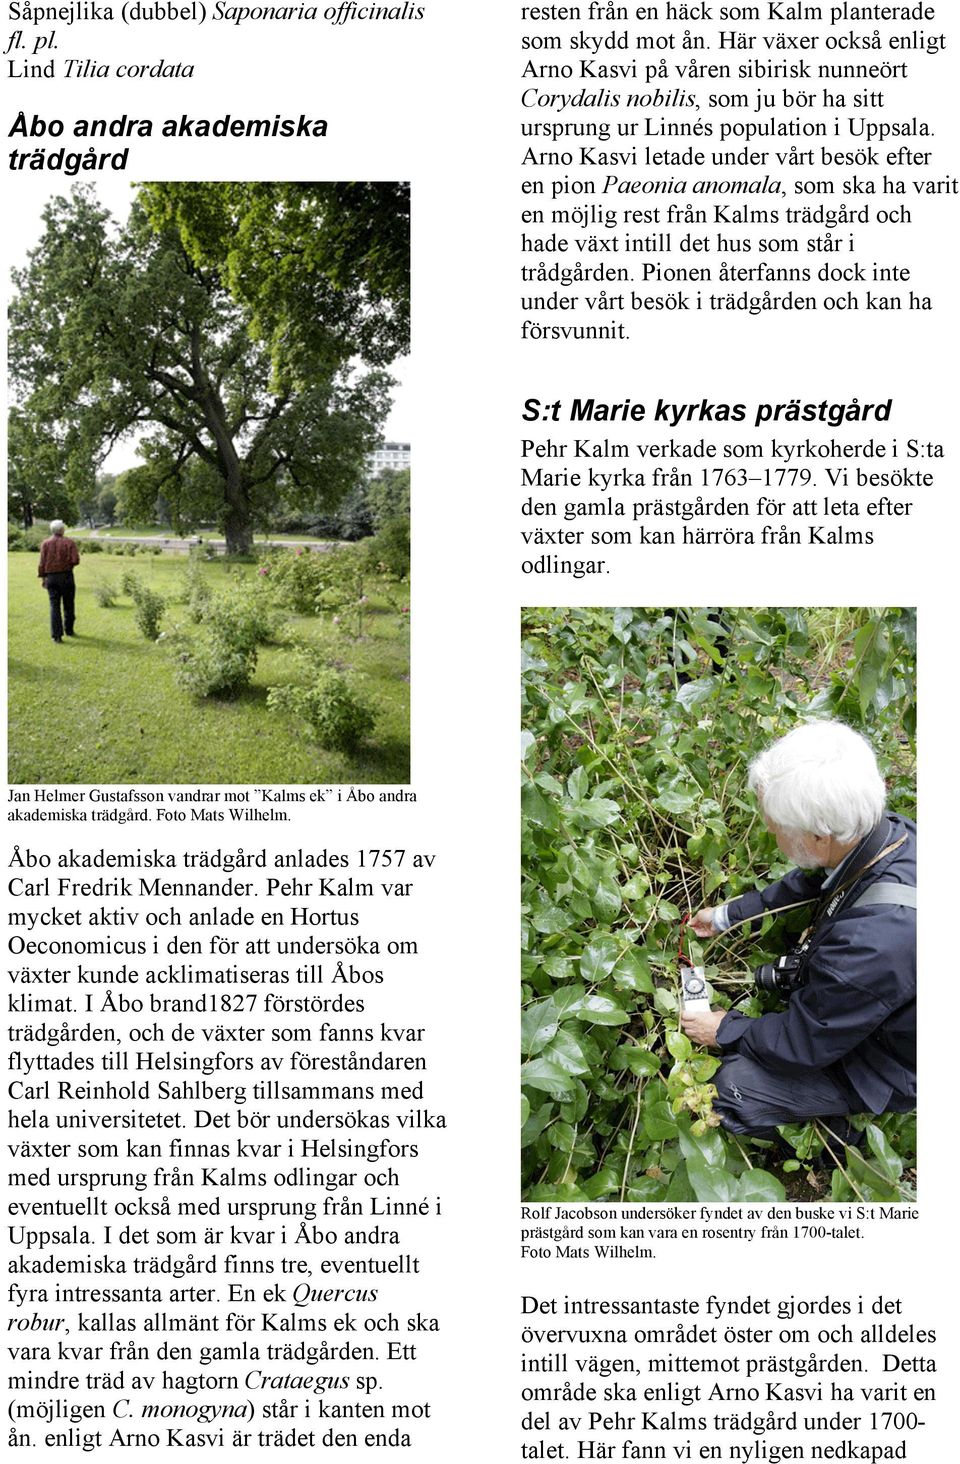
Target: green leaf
524 1109
538 1025
757 1184
678 1046
710 1183
528 743
709 1147
606 1182
658 1121
548 1076
565 1050
633 971
536 809
600 1010
884 1159
665 1002
578 784
545 916
672 801
606 901
562 1136
595 812
695 692
637 1060
598 959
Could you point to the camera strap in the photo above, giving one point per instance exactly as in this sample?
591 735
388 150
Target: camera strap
831 905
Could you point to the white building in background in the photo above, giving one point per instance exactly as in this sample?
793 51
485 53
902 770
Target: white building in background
389 455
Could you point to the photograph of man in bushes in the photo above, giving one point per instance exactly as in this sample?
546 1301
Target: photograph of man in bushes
846 1041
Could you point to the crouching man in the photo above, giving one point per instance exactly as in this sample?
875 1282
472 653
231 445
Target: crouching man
846 1042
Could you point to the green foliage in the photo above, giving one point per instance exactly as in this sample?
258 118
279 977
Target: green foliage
388 495
131 723
115 328
196 588
327 706
104 596
209 664
297 578
148 609
390 548
243 616
26 539
637 729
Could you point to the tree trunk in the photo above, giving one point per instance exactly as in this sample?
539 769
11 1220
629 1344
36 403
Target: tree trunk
238 532
28 515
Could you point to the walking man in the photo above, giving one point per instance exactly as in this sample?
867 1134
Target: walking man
58 558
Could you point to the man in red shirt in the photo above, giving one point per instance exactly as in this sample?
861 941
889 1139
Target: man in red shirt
58 556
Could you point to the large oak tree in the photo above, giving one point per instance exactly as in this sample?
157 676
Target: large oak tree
235 348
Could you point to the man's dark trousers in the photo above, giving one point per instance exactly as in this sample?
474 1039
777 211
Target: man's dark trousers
752 1099
62 591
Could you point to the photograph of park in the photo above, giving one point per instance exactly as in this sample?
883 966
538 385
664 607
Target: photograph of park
208 521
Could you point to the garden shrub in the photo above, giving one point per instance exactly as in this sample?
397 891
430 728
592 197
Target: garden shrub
148 610
92 546
334 715
638 726
26 539
209 665
296 578
197 592
104 596
244 616
129 583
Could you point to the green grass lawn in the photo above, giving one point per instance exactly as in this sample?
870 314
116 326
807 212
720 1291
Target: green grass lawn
153 531
104 707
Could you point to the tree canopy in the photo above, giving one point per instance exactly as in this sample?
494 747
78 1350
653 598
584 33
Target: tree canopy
235 349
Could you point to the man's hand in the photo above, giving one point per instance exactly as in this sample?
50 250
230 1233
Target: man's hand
702 1027
702 923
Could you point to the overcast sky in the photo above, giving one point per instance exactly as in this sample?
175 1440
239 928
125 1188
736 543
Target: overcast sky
23 229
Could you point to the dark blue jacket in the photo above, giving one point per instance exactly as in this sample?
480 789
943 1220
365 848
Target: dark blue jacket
856 1015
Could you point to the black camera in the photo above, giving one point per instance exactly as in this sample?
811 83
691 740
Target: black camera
783 976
